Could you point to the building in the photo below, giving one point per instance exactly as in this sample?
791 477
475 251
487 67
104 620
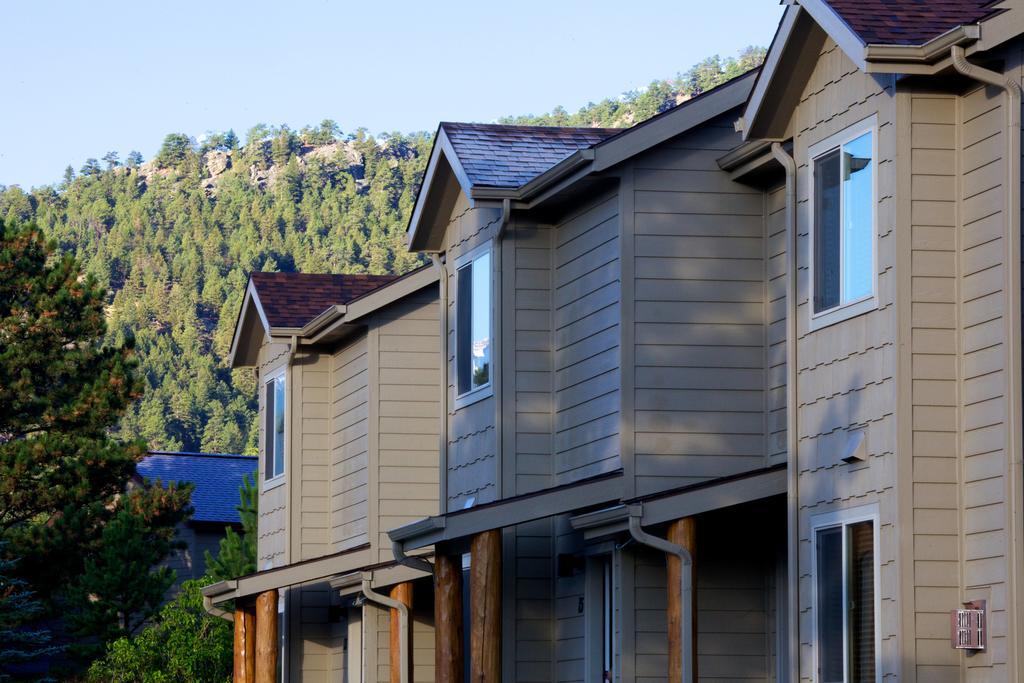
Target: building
350 411
216 479
734 394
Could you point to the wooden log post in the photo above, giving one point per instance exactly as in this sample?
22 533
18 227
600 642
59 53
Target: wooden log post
682 532
401 592
266 637
448 644
245 644
485 603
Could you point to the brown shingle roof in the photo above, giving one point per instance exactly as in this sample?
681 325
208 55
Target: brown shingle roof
909 22
495 155
293 299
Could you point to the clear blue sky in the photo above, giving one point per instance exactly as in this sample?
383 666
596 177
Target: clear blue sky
81 78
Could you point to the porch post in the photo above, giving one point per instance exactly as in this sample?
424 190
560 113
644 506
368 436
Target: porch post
448 650
485 603
266 637
245 644
682 532
401 592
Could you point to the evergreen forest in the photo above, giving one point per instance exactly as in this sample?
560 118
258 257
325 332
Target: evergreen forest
173 239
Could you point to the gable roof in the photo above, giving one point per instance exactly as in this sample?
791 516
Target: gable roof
498 155
216 476
909 22
293 299
498 163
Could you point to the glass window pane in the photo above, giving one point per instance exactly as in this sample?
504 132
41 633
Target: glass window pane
858 200
829 574
826 232
481 324
861 591
268 431
463 309
279 405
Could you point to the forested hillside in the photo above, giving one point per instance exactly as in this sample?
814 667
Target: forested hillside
175 238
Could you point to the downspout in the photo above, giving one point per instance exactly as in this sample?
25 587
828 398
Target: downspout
1012 310
403 625
792 437
636 513
214 611
442 294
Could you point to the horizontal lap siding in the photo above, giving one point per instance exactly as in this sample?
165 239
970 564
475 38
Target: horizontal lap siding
700 333
409 414
316 644
846 371
569 614
587 314
349 446
472 461
312 464
984 404
271 544
530 355
775 360
534 602
933 388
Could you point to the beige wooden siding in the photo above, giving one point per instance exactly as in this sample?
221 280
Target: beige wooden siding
985 405
846 371
405 346
529 354
569 607
775 356
699 255
349 446
310 466
534 602
316 646
379 668
587 314
272 543
735 591
472 440
933 213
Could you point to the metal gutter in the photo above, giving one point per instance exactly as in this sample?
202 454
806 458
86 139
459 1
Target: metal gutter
792 442
1012 317
594 492
926 53
636 515
745 153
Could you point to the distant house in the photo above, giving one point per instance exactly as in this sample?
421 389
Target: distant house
217 478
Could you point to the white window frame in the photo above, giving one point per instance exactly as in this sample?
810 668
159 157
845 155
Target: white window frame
843 518
846 309
486 390
280 478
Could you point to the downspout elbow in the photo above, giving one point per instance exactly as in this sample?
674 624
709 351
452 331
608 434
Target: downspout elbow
506 215
636 514
215 611
417 563
403 625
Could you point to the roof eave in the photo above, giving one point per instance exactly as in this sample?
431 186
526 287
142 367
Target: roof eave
567 166
416 235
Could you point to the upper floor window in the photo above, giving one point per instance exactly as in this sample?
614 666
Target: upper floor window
473 323
273 463
846 590
844 178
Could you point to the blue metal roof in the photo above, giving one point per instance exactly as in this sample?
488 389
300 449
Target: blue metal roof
216 476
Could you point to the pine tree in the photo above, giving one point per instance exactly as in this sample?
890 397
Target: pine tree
19 643
122 585
237 555
62 391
